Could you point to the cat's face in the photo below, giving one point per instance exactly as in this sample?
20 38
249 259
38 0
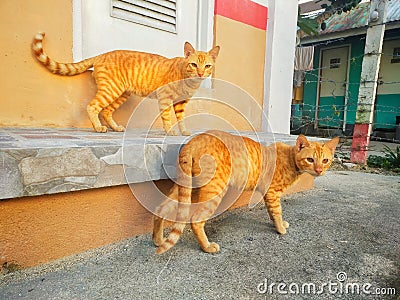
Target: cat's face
313 157
198 63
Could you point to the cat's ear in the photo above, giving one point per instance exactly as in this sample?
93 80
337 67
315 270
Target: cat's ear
301 142
214 52
332 144
188 49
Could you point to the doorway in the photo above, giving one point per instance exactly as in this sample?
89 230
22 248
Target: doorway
332 90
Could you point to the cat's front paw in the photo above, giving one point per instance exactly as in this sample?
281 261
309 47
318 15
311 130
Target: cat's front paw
285 224
281 228
172 133
186 132
158 241
120 128
101 129
212 248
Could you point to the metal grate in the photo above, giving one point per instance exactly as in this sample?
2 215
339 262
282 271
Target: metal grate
160 14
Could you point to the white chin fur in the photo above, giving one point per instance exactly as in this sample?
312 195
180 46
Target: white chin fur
39 36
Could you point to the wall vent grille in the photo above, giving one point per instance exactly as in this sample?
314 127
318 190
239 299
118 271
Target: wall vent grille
159 14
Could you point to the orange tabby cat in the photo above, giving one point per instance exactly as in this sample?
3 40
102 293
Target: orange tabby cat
120 73
215 160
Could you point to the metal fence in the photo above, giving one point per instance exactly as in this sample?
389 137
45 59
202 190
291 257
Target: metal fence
339 118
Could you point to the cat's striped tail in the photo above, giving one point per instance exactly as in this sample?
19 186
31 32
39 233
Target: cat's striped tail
184 172
68 69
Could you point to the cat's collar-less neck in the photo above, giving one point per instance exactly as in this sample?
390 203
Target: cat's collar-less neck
296 168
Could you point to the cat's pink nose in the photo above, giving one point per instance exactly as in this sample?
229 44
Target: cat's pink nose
200 74
318 171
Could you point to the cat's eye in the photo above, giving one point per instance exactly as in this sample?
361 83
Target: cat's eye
208 66
194 65
310 159
325 161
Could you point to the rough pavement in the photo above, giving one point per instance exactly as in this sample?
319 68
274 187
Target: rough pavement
343 235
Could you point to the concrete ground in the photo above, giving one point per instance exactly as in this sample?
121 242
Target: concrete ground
343 243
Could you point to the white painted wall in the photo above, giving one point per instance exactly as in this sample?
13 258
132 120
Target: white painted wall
279 64
261 2
96 32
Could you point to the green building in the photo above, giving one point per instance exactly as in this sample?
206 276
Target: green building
330 90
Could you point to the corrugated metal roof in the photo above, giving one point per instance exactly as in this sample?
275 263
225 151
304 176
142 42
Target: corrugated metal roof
393 13
311 6
358 17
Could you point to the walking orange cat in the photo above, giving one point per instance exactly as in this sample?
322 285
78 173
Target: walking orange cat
215 160
120 73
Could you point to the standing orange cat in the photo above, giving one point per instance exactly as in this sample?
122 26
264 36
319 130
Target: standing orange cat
120 73
214 160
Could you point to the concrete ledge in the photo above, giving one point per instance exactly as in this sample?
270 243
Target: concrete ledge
48 161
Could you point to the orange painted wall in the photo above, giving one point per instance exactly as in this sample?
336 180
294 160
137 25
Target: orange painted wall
35 230
31 96
242 58
40 229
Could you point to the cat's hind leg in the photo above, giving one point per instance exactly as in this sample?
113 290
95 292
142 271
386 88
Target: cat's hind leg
104 96
158 231
109 110
210 197
198 229
167 209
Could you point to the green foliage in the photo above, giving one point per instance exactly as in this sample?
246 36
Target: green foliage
393 156
376 161
391 160
309 26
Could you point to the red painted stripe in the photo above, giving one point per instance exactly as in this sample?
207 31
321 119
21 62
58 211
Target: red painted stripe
359 147
244 11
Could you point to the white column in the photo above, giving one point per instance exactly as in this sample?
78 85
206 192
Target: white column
77 44
279 65
205 21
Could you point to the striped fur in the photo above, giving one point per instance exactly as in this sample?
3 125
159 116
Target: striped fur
120 73
214 160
